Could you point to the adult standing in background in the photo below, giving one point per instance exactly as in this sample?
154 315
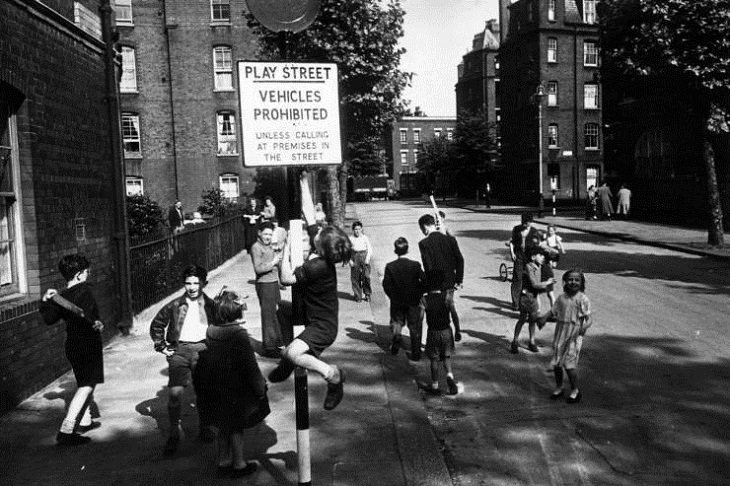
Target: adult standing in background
624 201
320 218
524 236
591 204
251 216
269 211
362 252
265 264
175 218
605 195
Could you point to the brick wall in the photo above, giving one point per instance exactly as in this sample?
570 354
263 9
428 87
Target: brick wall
66 167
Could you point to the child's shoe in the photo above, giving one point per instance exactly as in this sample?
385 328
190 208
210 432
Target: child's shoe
82 429
395 345
533 347
282 371
453 388
574 399
432 390
335 391
514 348
73 439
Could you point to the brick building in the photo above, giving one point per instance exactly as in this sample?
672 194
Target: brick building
61 178
553 44
179 97
478 75
408 134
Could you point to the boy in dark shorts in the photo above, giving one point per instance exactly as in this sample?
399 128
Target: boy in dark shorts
439 339
404 283
178 331
77 307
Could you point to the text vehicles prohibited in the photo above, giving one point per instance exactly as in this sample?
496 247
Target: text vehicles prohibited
290 113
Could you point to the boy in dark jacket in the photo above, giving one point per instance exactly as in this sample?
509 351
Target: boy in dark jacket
404 283
178 332
77 307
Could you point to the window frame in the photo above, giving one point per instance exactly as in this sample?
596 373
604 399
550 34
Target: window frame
404 158
449 134
553 136
133 117
590 56
221 6
415 158
586 98
403 135
222 67
133 180
586 127
552 94
416 135
132 87
552 50
552 7
225 180
226 138
123 6
590 15
437 132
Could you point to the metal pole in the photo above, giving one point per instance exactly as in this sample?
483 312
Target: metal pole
540 202
554 204
301 399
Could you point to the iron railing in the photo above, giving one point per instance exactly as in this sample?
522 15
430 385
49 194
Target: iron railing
157 265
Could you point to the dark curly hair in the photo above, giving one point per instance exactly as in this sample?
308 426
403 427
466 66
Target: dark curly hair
70 265
229 307
334 245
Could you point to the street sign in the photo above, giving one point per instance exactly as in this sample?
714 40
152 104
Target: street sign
290 113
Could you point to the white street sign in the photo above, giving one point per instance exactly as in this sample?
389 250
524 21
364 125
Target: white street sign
290 113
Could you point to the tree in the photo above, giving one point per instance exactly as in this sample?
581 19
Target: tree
434 157
144 218
215 204
366 157
679 45
362 38
474 151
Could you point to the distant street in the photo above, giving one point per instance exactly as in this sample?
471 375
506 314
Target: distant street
654 369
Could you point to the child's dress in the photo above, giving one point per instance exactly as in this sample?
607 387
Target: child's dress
567 340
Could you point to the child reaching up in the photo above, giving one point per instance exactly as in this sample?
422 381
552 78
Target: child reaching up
573 313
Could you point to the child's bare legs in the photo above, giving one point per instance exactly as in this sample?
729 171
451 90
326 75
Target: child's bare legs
225 458
558 371
78 404
518 329
236 442
435 367
297 354
573 377
450 380
551 297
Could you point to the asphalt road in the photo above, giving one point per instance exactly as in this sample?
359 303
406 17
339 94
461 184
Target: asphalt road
654 368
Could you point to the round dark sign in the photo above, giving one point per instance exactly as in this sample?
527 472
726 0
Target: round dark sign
284 15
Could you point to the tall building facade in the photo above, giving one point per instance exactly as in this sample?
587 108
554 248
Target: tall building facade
61 178
549 65
477 86
179 96
408 134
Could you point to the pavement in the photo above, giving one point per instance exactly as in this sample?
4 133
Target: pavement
379 435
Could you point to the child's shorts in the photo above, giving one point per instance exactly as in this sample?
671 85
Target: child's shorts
440 344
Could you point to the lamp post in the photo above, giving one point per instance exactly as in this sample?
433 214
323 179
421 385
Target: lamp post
538 97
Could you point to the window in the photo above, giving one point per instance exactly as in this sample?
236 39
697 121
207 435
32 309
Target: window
590 53
437 132
589 11
229 186
12 277
449 134
529 12
591 136
552 50
415 157
130 136
552 93
416 135
403 135
220 10
123 12
135 186
404 158
227 134
223 68
128 83
551 10
590 96
553 135
591 176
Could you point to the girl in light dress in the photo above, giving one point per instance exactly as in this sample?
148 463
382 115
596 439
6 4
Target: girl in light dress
573 313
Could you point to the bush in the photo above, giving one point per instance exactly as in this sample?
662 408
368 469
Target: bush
214 204
144 217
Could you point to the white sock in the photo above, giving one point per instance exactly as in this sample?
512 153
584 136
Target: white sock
435 385
86 418
68 426
450 375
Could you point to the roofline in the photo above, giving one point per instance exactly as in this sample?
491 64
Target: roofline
427 118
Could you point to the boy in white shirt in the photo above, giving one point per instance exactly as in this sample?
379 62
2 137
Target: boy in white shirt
362 252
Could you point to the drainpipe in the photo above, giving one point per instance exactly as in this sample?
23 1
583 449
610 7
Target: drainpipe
576 64
121 241
172 101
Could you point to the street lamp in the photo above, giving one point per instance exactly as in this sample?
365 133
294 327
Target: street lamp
538 97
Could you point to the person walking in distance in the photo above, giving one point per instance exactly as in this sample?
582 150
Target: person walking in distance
624 201
317 284
265 264
178 331
404 283
604 195
76 306
362 252
175 218
524 237
443 264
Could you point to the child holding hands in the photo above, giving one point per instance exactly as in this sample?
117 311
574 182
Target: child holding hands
573 313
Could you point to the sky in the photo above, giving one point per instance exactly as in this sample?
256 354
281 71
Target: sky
437 34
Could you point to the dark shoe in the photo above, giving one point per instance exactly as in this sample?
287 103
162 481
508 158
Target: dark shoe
82 429
206 434
281 372
366 298
453 389
335 392
171 445
395 345
64 439
431 390
575 399
533 347
514 348
246 471
556 395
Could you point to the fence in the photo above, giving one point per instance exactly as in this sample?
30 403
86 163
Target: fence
156 265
